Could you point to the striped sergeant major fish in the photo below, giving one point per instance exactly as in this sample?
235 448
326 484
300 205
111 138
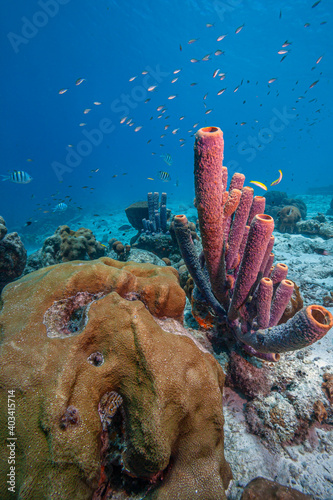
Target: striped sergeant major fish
17 176
164 176
61 207
167 158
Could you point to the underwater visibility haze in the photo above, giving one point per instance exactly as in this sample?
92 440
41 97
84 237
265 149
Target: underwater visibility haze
117 117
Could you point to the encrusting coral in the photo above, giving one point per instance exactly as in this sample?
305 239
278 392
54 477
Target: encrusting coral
234 276
103 391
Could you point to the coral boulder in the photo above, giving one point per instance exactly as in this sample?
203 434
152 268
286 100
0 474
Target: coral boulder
102 390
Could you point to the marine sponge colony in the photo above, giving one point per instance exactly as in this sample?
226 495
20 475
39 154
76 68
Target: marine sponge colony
234 275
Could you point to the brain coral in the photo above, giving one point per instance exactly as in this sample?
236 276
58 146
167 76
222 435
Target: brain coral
82 345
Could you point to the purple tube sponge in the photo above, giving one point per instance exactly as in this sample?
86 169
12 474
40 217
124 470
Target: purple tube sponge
234 272
279 273
189 254
307 326
267 256
257 207
259 235
265 356
150 199
282 296
209 191
237 181
269 264
263 301
238 226
157 221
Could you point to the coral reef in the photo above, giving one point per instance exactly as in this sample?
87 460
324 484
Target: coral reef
160 244
66 245
13 255
111 392
277 200
157 236
263 489
121 250
287 219
315 227
77 245
234 275
138 211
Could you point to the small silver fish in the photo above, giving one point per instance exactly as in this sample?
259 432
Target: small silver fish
239 29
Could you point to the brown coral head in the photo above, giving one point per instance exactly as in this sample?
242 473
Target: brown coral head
287 218
70 417
120 248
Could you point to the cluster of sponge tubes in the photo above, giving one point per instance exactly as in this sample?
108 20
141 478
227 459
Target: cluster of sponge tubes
235 275
157 213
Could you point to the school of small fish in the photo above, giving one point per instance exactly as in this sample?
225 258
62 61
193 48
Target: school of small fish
169 107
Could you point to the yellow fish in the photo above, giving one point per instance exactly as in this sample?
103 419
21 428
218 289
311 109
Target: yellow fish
277 180
259 184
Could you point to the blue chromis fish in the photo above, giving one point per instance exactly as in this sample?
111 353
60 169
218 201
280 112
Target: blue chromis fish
167 158
164 176
61 207
18 176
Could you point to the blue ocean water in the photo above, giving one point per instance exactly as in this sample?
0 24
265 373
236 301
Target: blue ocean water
49 45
